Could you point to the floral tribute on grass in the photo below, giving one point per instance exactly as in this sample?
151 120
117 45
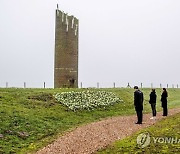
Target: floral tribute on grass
87 100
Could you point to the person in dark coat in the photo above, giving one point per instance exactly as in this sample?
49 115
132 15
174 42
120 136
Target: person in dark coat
152 101
138 104
164 102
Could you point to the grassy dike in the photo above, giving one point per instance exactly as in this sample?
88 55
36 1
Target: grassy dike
31 118
164 138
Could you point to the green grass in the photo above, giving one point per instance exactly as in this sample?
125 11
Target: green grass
35 112
161 135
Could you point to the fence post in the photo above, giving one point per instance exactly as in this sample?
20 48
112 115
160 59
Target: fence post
44 85
6 84
128 86
160 85
172 85
81 85
167 85
177 85
114 84
24 84
141 85
151 85
97 84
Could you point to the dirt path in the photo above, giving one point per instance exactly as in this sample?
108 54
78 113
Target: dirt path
91 137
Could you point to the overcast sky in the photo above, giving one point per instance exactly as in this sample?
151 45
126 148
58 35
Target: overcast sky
119 41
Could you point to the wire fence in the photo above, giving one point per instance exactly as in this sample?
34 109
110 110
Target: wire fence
26 85
86 85
128 85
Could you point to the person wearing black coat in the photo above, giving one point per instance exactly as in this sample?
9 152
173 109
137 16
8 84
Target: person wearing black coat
152 101
164 101
138 104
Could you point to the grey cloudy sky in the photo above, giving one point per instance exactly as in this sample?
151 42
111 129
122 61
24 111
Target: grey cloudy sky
119 41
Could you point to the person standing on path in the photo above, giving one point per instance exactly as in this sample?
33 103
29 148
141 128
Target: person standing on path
164 102
152 101
138 104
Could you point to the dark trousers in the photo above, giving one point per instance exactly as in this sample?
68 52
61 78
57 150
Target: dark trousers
153 107
139 116
165 111
164 106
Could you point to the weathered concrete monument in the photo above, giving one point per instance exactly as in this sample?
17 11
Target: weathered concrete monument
66 51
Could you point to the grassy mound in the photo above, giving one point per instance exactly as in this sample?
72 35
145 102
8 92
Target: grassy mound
32 118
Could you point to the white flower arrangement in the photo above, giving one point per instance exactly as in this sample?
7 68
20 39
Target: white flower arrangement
86 100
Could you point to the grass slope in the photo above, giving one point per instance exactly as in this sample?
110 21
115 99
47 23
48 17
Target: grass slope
31 118
161 135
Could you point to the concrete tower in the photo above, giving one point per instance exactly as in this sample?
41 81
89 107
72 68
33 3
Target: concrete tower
66 51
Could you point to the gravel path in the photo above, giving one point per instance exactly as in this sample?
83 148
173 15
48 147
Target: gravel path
91 137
